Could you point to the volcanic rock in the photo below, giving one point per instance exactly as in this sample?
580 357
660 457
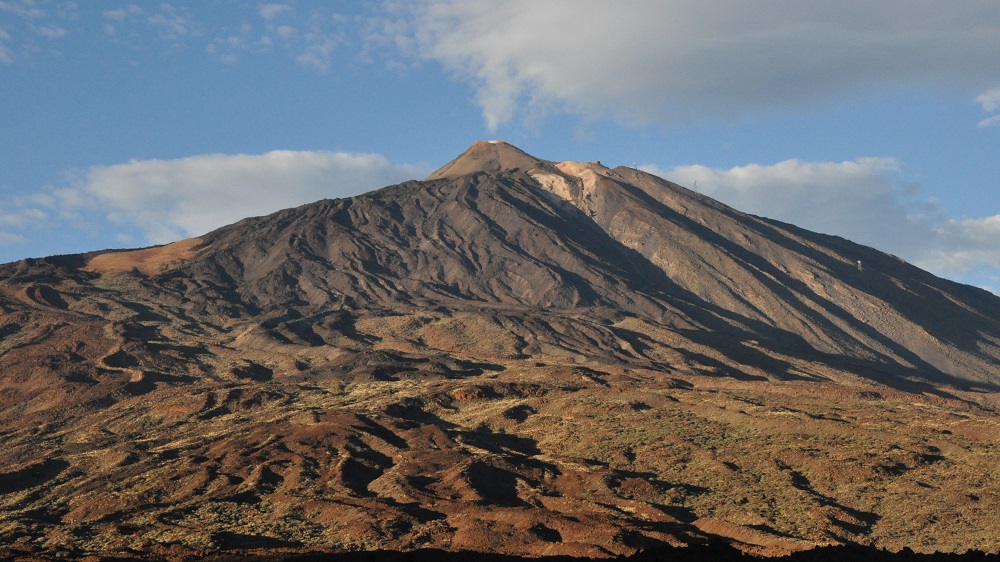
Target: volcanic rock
511 356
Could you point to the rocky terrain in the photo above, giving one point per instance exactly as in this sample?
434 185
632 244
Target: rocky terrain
513 356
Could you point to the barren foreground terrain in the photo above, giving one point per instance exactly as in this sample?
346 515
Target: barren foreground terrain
513 356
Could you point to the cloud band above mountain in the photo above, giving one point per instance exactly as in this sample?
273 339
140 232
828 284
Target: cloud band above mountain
676 61
863 200
170 199
165 200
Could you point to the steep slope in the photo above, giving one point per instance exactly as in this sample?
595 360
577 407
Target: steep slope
497 227
840 298
513 355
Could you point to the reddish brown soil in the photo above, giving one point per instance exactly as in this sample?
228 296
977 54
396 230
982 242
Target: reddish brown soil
512 357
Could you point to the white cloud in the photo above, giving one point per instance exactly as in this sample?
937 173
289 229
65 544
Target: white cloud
10 239
158 201
29 20
18 215
310 38
164 23
990 100
967 244
989 122
8 220
271 11
170 23
172 199
21 217
120 17
118 14
52 32
679 60
861 200
856 199
228 48
22 8
318 50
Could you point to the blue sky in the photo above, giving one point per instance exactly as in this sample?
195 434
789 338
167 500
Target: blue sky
124 124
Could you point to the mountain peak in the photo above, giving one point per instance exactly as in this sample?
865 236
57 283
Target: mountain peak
491 157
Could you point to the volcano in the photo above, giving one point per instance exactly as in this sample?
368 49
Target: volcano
512 356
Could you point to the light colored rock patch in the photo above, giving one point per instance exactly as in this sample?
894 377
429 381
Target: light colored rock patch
554 183
589 173
149 261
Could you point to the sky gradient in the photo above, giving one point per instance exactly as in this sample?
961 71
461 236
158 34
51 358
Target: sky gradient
125 124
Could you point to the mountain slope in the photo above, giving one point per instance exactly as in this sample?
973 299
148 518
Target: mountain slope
513 355
498 227
841 298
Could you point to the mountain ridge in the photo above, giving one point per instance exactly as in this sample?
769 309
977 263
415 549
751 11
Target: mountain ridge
708 254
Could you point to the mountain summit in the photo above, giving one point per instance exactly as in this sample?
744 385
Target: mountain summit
489 157
582 359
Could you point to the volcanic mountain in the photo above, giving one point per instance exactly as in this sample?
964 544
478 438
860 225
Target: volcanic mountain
511 356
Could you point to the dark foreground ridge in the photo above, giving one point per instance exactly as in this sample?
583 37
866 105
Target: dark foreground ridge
717 553
511 357
704 553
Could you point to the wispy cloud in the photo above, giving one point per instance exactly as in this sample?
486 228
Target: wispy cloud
989 122
271 11
310 37
139 27
865 200
6 56
10 239
27 9
671 62
171 23
51 31
25 17
318 48
19 215
990 102
121 21
967 244
240 41
118 14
